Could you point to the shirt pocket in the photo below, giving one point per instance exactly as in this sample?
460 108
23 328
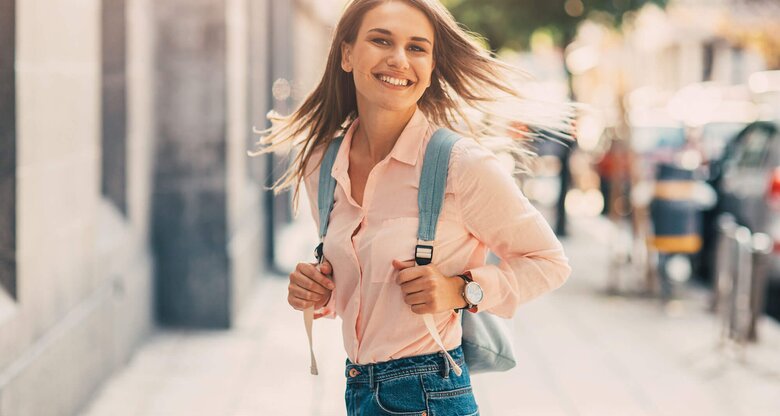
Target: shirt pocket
395 239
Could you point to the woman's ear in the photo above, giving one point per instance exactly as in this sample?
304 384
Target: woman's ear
346 57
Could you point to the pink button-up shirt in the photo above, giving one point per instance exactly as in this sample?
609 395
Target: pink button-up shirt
483 209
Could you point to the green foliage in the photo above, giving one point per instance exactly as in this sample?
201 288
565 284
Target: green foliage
510 23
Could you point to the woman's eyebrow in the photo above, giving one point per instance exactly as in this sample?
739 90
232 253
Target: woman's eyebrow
389 33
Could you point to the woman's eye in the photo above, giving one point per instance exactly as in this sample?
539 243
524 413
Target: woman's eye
415 48
380 41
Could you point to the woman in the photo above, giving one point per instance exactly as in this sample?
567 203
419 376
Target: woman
397 70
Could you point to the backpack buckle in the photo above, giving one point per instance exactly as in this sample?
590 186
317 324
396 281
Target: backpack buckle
318 253
423 254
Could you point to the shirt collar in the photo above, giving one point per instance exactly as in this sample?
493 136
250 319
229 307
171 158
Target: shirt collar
406 148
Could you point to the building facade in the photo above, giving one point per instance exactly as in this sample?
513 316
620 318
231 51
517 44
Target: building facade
127 199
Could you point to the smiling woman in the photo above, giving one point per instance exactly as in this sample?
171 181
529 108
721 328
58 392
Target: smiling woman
393 47
398 71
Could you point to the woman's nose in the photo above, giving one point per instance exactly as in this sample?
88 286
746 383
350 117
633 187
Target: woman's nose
398 59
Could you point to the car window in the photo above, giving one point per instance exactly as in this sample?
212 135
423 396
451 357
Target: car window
754 149
715 136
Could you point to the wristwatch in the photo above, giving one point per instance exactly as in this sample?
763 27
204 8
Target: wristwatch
472 293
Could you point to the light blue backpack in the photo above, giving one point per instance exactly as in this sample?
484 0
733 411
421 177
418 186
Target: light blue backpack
487 343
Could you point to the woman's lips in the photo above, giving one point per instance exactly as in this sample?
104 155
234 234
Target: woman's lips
378 77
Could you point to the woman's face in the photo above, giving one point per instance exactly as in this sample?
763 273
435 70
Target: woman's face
391 58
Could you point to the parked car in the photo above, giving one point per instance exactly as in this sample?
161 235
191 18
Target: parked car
747 180
714 139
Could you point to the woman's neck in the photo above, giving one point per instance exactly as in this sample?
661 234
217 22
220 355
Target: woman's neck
379 129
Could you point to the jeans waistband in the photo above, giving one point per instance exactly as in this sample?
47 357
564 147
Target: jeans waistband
402 367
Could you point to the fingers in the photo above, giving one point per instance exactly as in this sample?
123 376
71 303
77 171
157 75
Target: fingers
298 303
326 268
418 285
424 308
412 273
417 298
308 286
315 277
301 280
300 298
305 295
403 264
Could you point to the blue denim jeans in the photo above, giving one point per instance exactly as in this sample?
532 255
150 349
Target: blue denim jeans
423 385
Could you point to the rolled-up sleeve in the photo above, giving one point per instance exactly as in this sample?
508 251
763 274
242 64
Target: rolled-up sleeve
311 185
497 213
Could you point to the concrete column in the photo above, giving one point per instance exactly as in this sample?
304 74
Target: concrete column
190 197
114 103
7 148
259 105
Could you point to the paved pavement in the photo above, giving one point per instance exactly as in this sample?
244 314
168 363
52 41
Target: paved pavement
581 352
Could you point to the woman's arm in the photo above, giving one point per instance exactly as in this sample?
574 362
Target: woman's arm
496 212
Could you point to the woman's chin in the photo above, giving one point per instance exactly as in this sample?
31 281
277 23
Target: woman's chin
395 105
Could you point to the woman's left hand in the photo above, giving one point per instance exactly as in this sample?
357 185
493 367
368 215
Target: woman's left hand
426 289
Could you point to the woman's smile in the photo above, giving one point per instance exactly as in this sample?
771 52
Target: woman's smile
393 82
394 48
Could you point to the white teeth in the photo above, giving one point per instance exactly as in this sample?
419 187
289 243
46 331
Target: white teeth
394 81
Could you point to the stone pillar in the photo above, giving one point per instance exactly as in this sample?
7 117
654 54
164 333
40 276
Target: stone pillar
114 103
7 148
259 105
190 197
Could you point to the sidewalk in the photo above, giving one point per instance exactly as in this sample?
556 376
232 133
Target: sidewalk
580 353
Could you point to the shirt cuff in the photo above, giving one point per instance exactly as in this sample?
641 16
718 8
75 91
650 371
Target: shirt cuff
494 300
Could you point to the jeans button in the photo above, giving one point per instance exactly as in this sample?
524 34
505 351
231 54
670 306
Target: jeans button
353 372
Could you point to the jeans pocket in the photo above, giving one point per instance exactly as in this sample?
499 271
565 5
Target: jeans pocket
458 402
401 396
451 395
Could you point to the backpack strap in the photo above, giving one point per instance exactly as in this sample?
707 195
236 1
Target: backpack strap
327 187
430 198
325 198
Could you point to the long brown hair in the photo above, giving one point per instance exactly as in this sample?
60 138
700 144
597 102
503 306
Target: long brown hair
466 77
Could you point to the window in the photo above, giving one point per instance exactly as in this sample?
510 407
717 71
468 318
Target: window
7 148
114 103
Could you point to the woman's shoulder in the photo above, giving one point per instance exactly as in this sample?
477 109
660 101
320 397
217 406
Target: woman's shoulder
316 154
473 164
468 152
312 165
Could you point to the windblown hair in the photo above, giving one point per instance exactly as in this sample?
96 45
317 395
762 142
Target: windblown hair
471 92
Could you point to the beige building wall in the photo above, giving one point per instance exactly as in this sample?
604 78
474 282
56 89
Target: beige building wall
84 269
315 22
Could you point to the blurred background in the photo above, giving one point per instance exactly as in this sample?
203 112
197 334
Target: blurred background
143 263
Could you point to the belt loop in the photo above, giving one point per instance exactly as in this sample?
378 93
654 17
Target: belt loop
371 376
445 371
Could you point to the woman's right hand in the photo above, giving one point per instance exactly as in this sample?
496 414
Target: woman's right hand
310 287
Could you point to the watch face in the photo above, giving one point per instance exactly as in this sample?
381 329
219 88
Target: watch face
473 293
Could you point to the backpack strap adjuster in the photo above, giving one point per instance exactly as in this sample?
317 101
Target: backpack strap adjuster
318 253
423 254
